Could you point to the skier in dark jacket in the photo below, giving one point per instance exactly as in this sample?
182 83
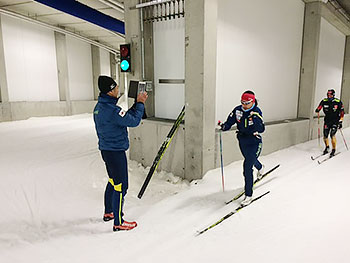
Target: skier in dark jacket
250 124
111 123
334 113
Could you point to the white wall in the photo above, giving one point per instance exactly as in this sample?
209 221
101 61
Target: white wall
105 62
30 60
259 49
330 61
169 63
80 69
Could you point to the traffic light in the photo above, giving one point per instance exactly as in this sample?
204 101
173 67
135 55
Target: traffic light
125 58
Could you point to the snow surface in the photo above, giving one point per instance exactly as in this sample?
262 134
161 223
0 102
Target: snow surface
52 181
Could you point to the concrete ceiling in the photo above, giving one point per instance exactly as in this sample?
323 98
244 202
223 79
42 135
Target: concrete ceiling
345 4
47 15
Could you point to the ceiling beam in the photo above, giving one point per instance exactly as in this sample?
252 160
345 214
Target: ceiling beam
86 13
58 29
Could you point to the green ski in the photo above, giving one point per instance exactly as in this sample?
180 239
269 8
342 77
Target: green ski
229 214
255 182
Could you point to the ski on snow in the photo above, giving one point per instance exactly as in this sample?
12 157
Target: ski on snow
229 214
328 157
255 182
317 156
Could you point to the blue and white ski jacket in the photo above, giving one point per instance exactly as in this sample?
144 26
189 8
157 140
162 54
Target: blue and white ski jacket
249 123
111 123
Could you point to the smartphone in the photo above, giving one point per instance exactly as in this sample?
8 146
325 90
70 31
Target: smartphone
141 87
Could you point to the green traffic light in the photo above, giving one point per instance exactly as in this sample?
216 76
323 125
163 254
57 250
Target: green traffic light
124 65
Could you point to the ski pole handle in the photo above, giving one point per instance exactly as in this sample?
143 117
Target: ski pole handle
220 124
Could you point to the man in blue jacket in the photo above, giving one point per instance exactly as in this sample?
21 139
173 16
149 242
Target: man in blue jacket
111 123
250 124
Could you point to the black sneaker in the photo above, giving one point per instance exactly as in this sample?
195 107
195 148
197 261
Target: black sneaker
332 153
326 150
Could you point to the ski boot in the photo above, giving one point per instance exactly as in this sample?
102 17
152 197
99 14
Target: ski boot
108 216
326 150
332 153
247 200
260 172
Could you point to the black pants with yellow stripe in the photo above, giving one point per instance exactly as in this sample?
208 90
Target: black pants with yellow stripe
117 169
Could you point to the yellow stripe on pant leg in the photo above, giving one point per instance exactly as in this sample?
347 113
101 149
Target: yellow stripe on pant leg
111 181
259 149
118 188
120 208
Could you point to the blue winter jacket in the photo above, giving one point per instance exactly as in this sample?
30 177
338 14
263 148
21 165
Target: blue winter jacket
111 123
249 123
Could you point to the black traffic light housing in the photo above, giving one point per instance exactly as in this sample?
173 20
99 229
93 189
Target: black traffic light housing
125 58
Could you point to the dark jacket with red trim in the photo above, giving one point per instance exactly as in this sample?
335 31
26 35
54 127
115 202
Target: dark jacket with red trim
333 110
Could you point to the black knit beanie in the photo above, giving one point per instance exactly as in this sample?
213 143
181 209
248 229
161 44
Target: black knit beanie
106 84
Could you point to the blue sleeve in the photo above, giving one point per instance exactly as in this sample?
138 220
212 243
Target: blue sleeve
258 120
132 117
231 120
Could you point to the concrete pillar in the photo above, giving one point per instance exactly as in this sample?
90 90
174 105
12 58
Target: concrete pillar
113 67
132 37
96 68
62 69
5 107
311 37
345 89
200 86
149 65
140 36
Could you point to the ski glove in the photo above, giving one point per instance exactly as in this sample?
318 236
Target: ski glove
340 125
221 125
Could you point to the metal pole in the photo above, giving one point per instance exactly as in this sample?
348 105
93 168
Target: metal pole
142 45
222 164
319 130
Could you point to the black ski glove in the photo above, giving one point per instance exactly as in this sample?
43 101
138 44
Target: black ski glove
340 125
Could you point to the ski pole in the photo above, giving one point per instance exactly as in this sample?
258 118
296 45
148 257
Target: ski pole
319 130
221 159
344 139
